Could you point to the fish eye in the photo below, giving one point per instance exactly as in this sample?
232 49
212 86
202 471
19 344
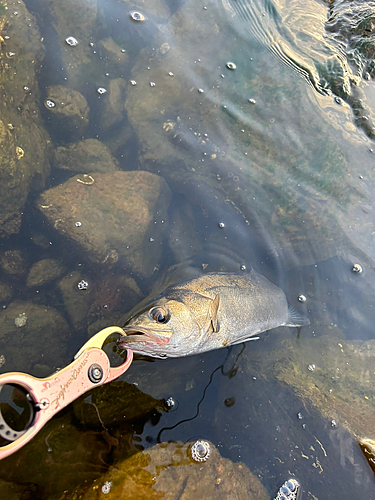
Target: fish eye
159 314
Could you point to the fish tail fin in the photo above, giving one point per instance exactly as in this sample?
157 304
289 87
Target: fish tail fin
296 319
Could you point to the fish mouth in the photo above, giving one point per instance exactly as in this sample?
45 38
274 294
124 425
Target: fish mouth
145 336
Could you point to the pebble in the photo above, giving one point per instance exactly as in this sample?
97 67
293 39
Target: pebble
20 320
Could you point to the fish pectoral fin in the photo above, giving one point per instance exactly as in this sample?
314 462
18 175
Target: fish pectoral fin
296 319
212 322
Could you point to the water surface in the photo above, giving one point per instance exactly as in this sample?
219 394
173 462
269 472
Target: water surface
257 114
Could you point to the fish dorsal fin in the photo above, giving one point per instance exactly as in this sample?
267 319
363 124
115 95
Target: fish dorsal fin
212 322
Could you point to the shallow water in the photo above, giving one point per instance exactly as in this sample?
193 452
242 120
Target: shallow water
279 150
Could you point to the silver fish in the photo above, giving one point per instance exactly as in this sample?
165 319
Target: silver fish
211 311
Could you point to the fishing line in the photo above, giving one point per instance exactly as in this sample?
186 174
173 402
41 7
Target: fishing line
230 374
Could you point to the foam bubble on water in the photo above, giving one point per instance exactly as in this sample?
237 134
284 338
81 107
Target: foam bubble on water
83 285
106 488
73 42
137 16
289 490
200 451
49 103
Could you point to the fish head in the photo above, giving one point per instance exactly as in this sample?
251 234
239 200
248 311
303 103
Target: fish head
166 328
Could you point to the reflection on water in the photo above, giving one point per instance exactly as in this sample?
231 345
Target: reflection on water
332 50
185 136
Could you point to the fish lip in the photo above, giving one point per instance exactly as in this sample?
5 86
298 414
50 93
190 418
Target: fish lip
144 335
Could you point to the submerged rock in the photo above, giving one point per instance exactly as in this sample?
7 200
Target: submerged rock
77 20
13 262
40 240
183 240
114 404
122 216
31 334
112 294
44 271
85 156
6 292
280 432
335 375
105 299
76 301
113 112
167 471
115 57
63 456
60 457
24 143
12 491
69 108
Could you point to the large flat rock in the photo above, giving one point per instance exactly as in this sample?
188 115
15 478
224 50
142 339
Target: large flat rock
167 471
122 217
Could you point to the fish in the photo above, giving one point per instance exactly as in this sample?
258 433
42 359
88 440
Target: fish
208 312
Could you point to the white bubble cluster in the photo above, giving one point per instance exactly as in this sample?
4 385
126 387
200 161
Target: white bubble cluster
83 285
106 488
289 490
200 451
